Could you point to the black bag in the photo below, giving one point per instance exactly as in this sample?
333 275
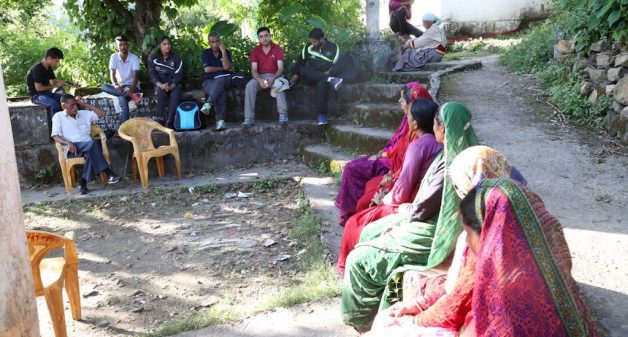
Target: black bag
187 116
239 80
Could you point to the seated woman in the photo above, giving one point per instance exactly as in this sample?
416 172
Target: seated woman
426 239
516 279
165 69
419 156
360 170
428 48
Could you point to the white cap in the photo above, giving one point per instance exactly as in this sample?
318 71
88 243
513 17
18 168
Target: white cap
279 85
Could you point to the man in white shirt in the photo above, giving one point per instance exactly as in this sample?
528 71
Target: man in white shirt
124 68
72 128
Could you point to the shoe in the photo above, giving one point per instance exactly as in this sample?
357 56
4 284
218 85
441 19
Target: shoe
83 190
113 179
136 97
322 119
335 82
248 122
283 120
220 125
206 107
132 106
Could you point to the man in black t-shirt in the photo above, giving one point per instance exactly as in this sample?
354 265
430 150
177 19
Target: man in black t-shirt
41 82
216 64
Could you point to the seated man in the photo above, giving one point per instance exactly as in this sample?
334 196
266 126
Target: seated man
41 82
267 60
400 11
72 128
428 48
216 63
124 68
320 64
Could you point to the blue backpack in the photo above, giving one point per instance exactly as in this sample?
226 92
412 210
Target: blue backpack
187 117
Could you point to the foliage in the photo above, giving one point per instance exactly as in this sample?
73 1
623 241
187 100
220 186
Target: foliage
478 47
265 185
290 21
48 174
534 51
588 21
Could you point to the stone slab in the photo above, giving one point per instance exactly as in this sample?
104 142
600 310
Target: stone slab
29 123
360 139
319 156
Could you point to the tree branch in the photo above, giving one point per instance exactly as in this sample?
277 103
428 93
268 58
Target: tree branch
119 9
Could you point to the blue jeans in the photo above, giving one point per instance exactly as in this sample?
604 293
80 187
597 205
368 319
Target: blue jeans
94 160
49 99
123 99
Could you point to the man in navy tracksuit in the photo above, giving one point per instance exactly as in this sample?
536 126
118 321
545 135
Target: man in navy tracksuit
320 64
166 72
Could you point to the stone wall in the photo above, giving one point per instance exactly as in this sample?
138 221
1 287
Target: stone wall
605 71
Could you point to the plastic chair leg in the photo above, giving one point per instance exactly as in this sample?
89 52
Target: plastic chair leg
54 300
134 168
67 180
103 177
160 165
177 162
143 167
72 288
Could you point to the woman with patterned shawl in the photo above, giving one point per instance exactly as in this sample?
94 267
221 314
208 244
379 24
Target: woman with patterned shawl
418 158
440 304
522 283
422 233
359 171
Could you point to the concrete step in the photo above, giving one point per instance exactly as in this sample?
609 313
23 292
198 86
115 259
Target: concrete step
421 76
362 140
324 157
468 65
378 115
369 92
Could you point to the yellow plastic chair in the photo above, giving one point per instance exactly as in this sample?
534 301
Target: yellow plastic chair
67 164
139 132
50 275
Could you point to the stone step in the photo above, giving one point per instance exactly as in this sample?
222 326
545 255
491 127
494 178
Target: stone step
362 140
324 157
450 64
378 115
421 76
369 92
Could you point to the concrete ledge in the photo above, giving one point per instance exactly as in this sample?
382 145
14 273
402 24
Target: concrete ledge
362 140
324 156
377 115
29 123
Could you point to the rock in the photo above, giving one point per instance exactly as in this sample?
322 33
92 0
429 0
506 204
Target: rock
594 96
617 107
102 324
137 293
621 91
596 75
580 63
609 89
585 88
269 242
565 47
621 60
209 301
604 60
619 124
137 310
90 294
615 74
595 47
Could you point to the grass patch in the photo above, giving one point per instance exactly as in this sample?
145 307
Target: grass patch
317 282
478 47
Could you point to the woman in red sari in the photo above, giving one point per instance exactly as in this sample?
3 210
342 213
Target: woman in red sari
419 156
516 280
360 170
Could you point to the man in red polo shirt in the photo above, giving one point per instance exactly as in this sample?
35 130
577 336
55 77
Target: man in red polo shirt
267 60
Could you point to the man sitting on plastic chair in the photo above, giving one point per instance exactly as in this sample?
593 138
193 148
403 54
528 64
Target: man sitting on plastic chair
72 127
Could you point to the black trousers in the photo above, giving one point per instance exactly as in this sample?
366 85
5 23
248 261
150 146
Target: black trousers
399 23
345 68
169 99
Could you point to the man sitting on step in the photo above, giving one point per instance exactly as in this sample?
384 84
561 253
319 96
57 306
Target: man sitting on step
321 65
72 128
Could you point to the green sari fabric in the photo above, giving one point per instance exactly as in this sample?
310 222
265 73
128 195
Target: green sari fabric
459 135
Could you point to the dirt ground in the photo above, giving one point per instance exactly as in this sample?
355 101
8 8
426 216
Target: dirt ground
145 258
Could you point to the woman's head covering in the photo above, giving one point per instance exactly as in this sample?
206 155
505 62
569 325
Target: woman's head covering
459 135
523 283
418 92
431 18
477 163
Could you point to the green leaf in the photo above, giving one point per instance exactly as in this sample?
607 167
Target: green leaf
602 12
317 22
613 17
287 13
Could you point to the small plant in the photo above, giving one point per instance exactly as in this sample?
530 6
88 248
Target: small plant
323 168
47 174
208 189
265 185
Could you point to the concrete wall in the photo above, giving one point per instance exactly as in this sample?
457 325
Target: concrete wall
469 18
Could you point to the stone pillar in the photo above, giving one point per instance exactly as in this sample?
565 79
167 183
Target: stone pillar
372 19
18 309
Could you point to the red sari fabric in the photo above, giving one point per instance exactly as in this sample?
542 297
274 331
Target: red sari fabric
523 284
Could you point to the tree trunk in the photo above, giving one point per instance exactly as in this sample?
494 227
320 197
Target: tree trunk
147 17
18 309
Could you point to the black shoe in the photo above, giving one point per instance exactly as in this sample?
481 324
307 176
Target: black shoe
113 179
83 190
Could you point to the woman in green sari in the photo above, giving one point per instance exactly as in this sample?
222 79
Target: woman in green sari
422 233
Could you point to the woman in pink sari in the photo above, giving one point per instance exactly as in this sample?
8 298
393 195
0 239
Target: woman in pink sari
521 283
359 171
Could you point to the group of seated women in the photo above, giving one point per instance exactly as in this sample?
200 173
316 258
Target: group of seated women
442 237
